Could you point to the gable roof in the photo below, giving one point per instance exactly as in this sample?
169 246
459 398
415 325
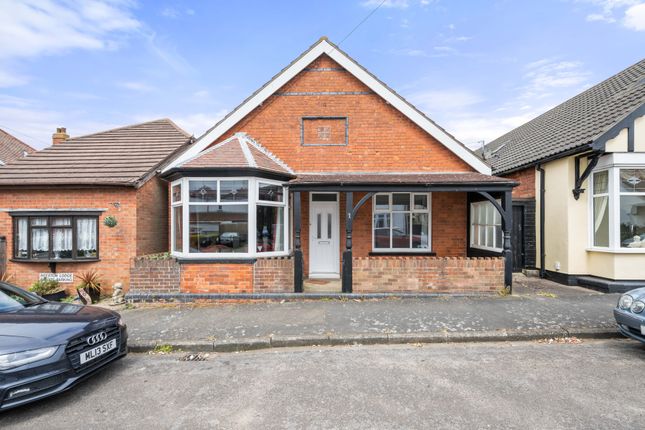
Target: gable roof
239 151
573 124
126 156
324 46
11 148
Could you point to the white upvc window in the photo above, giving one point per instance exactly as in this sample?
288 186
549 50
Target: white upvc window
617 208
401 222
229 217
485 227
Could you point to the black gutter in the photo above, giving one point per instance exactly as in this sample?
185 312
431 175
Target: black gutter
542 212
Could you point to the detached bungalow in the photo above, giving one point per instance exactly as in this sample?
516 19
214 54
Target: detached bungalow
581 168
89 202
325 179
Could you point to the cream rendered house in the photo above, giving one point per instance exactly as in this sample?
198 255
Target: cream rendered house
585 160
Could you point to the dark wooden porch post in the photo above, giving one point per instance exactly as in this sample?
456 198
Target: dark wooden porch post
507 225
298 264
347 254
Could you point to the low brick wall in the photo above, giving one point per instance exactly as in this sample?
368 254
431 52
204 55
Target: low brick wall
427 274
265 275
273 275
154 276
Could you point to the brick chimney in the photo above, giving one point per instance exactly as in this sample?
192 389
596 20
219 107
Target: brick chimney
60 136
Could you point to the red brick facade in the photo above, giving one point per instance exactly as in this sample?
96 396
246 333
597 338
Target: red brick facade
139 213
380 137
526 179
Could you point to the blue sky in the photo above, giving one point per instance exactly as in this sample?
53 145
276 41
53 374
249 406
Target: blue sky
478 68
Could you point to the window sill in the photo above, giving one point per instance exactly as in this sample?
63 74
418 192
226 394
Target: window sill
618 251
402 254
485 248
60 260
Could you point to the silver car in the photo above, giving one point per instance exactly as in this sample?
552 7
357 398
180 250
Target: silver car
629 314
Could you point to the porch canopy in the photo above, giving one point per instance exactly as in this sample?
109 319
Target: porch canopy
490 188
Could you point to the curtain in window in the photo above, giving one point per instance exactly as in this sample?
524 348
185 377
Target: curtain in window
62 240
86 236
39 241
23 238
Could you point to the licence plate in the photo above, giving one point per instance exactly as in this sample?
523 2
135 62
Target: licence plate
98 351
643 329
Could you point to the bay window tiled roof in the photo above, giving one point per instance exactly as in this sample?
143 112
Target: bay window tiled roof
239 151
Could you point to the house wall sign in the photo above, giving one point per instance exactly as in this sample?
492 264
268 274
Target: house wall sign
63 278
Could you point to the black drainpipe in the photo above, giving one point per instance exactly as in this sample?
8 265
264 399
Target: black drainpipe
542 193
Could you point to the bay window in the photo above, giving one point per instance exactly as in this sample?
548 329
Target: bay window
617 208
224 217
401 222
54 237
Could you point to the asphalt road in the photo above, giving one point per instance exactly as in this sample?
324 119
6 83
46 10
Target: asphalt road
592 385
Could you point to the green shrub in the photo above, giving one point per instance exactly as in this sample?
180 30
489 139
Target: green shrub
45 286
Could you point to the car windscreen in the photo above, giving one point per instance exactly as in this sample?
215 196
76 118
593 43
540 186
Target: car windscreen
11 300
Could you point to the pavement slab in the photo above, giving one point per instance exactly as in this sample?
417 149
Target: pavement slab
537 308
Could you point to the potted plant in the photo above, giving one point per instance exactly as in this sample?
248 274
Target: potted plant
48 289
91 285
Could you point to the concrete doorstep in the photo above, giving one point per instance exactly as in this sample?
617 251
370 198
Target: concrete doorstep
250 344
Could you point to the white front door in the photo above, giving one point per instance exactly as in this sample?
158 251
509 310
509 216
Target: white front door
324 253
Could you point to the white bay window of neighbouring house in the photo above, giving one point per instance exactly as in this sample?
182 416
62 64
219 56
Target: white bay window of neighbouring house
618 208
485 227
228 217
401 222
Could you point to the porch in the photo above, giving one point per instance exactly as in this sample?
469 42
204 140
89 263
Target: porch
414 238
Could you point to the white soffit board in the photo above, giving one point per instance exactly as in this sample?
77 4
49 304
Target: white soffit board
324 47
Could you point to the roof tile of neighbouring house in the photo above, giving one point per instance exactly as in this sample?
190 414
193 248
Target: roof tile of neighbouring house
239 151
574 123
403 178
12 148
122 156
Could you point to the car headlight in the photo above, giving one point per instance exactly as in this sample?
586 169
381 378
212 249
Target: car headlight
637 307
15 359
121 323
625 301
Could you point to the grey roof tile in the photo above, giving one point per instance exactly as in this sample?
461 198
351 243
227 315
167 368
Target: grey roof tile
122 156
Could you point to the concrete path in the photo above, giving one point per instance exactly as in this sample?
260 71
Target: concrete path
537 309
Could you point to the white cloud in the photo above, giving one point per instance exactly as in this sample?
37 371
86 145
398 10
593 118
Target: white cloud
610 11
141 87
11 79
396 4
444 100
48 27
635 17
543 76
169 12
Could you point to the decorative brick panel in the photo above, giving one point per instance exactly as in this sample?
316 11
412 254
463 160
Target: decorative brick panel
428 274
155 276
273 275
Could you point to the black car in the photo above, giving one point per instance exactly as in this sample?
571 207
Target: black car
47 347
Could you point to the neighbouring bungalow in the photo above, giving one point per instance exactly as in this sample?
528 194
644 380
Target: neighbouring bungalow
12 148
581 168
326 180
87 203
